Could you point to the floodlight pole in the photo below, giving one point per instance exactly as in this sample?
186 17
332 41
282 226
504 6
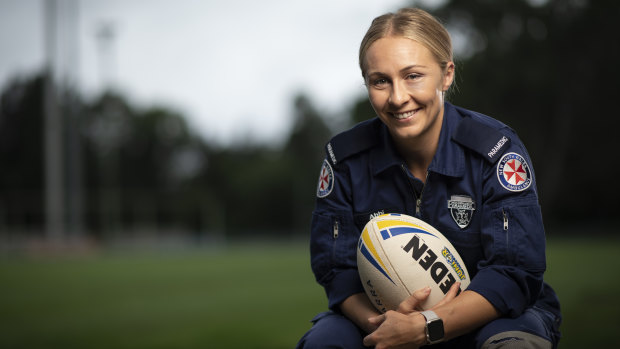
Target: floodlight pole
53 157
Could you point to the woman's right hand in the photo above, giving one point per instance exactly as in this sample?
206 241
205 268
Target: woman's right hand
412 303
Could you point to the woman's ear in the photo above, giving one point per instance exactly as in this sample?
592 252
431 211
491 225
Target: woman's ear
448 76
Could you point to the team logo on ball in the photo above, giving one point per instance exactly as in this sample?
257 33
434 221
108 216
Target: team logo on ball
326 180
513 172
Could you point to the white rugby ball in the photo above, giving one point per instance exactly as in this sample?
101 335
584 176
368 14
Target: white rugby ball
399 254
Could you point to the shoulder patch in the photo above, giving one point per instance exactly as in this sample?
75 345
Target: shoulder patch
481 138
326 180
361 137
513 172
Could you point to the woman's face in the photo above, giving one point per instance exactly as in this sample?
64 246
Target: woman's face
405 85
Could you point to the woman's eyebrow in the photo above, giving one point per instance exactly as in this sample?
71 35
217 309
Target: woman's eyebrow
401 70
412 66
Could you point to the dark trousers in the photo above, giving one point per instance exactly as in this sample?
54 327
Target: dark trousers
535 328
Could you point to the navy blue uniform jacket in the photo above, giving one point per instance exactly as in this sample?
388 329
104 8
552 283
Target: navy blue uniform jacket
480 192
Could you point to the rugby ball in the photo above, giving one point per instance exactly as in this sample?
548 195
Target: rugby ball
399 254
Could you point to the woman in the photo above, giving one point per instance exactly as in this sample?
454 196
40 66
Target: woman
419 157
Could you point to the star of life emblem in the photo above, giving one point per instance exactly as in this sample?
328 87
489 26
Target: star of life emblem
513 172
462 209
326 180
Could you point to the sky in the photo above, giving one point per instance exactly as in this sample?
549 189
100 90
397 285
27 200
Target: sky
232 67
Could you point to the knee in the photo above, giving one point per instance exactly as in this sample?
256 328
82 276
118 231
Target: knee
332 331
516 340
335 341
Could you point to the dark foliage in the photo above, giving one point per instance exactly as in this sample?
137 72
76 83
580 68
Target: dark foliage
549 71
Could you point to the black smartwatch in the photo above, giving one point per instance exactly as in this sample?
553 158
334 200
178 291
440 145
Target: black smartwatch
434 327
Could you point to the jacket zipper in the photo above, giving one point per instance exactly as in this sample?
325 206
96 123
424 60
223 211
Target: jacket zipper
509 256
336 229
418 200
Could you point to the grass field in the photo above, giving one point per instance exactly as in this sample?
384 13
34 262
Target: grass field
244 296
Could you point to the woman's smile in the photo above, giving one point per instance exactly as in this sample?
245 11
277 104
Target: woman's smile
405 115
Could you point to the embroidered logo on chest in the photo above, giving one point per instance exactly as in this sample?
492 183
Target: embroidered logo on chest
462 209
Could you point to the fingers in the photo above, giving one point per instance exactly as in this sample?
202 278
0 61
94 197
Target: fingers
376 320
396 331
369 341
453 292
412 303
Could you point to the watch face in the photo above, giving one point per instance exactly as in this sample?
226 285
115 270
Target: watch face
435 330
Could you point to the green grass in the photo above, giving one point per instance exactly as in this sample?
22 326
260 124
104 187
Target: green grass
586 276
241 297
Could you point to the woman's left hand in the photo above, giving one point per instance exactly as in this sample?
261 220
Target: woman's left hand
400 328
397 330
404 328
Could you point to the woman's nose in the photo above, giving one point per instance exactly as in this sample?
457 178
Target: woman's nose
398 95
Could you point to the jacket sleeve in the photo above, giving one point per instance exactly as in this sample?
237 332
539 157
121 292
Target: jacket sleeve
334 237
513 239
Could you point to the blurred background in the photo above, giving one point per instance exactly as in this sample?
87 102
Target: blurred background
130 129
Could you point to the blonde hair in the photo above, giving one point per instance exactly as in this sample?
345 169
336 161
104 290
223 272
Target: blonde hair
414 24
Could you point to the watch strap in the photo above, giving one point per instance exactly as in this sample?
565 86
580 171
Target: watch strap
429 315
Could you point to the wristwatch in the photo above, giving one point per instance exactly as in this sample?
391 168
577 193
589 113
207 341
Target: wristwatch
434 327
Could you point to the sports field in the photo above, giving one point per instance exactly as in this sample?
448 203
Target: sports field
251 295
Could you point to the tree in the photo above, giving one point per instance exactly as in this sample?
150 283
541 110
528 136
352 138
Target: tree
140 167
21 159
303 154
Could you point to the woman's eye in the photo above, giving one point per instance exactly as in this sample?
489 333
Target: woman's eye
413 76
379 82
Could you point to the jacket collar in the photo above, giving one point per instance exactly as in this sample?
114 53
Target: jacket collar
449 160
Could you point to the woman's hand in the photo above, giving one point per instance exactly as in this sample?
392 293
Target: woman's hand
405 328
412 303
397 330
452 293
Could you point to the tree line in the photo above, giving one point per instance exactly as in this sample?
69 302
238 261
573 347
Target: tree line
144 170
547 68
